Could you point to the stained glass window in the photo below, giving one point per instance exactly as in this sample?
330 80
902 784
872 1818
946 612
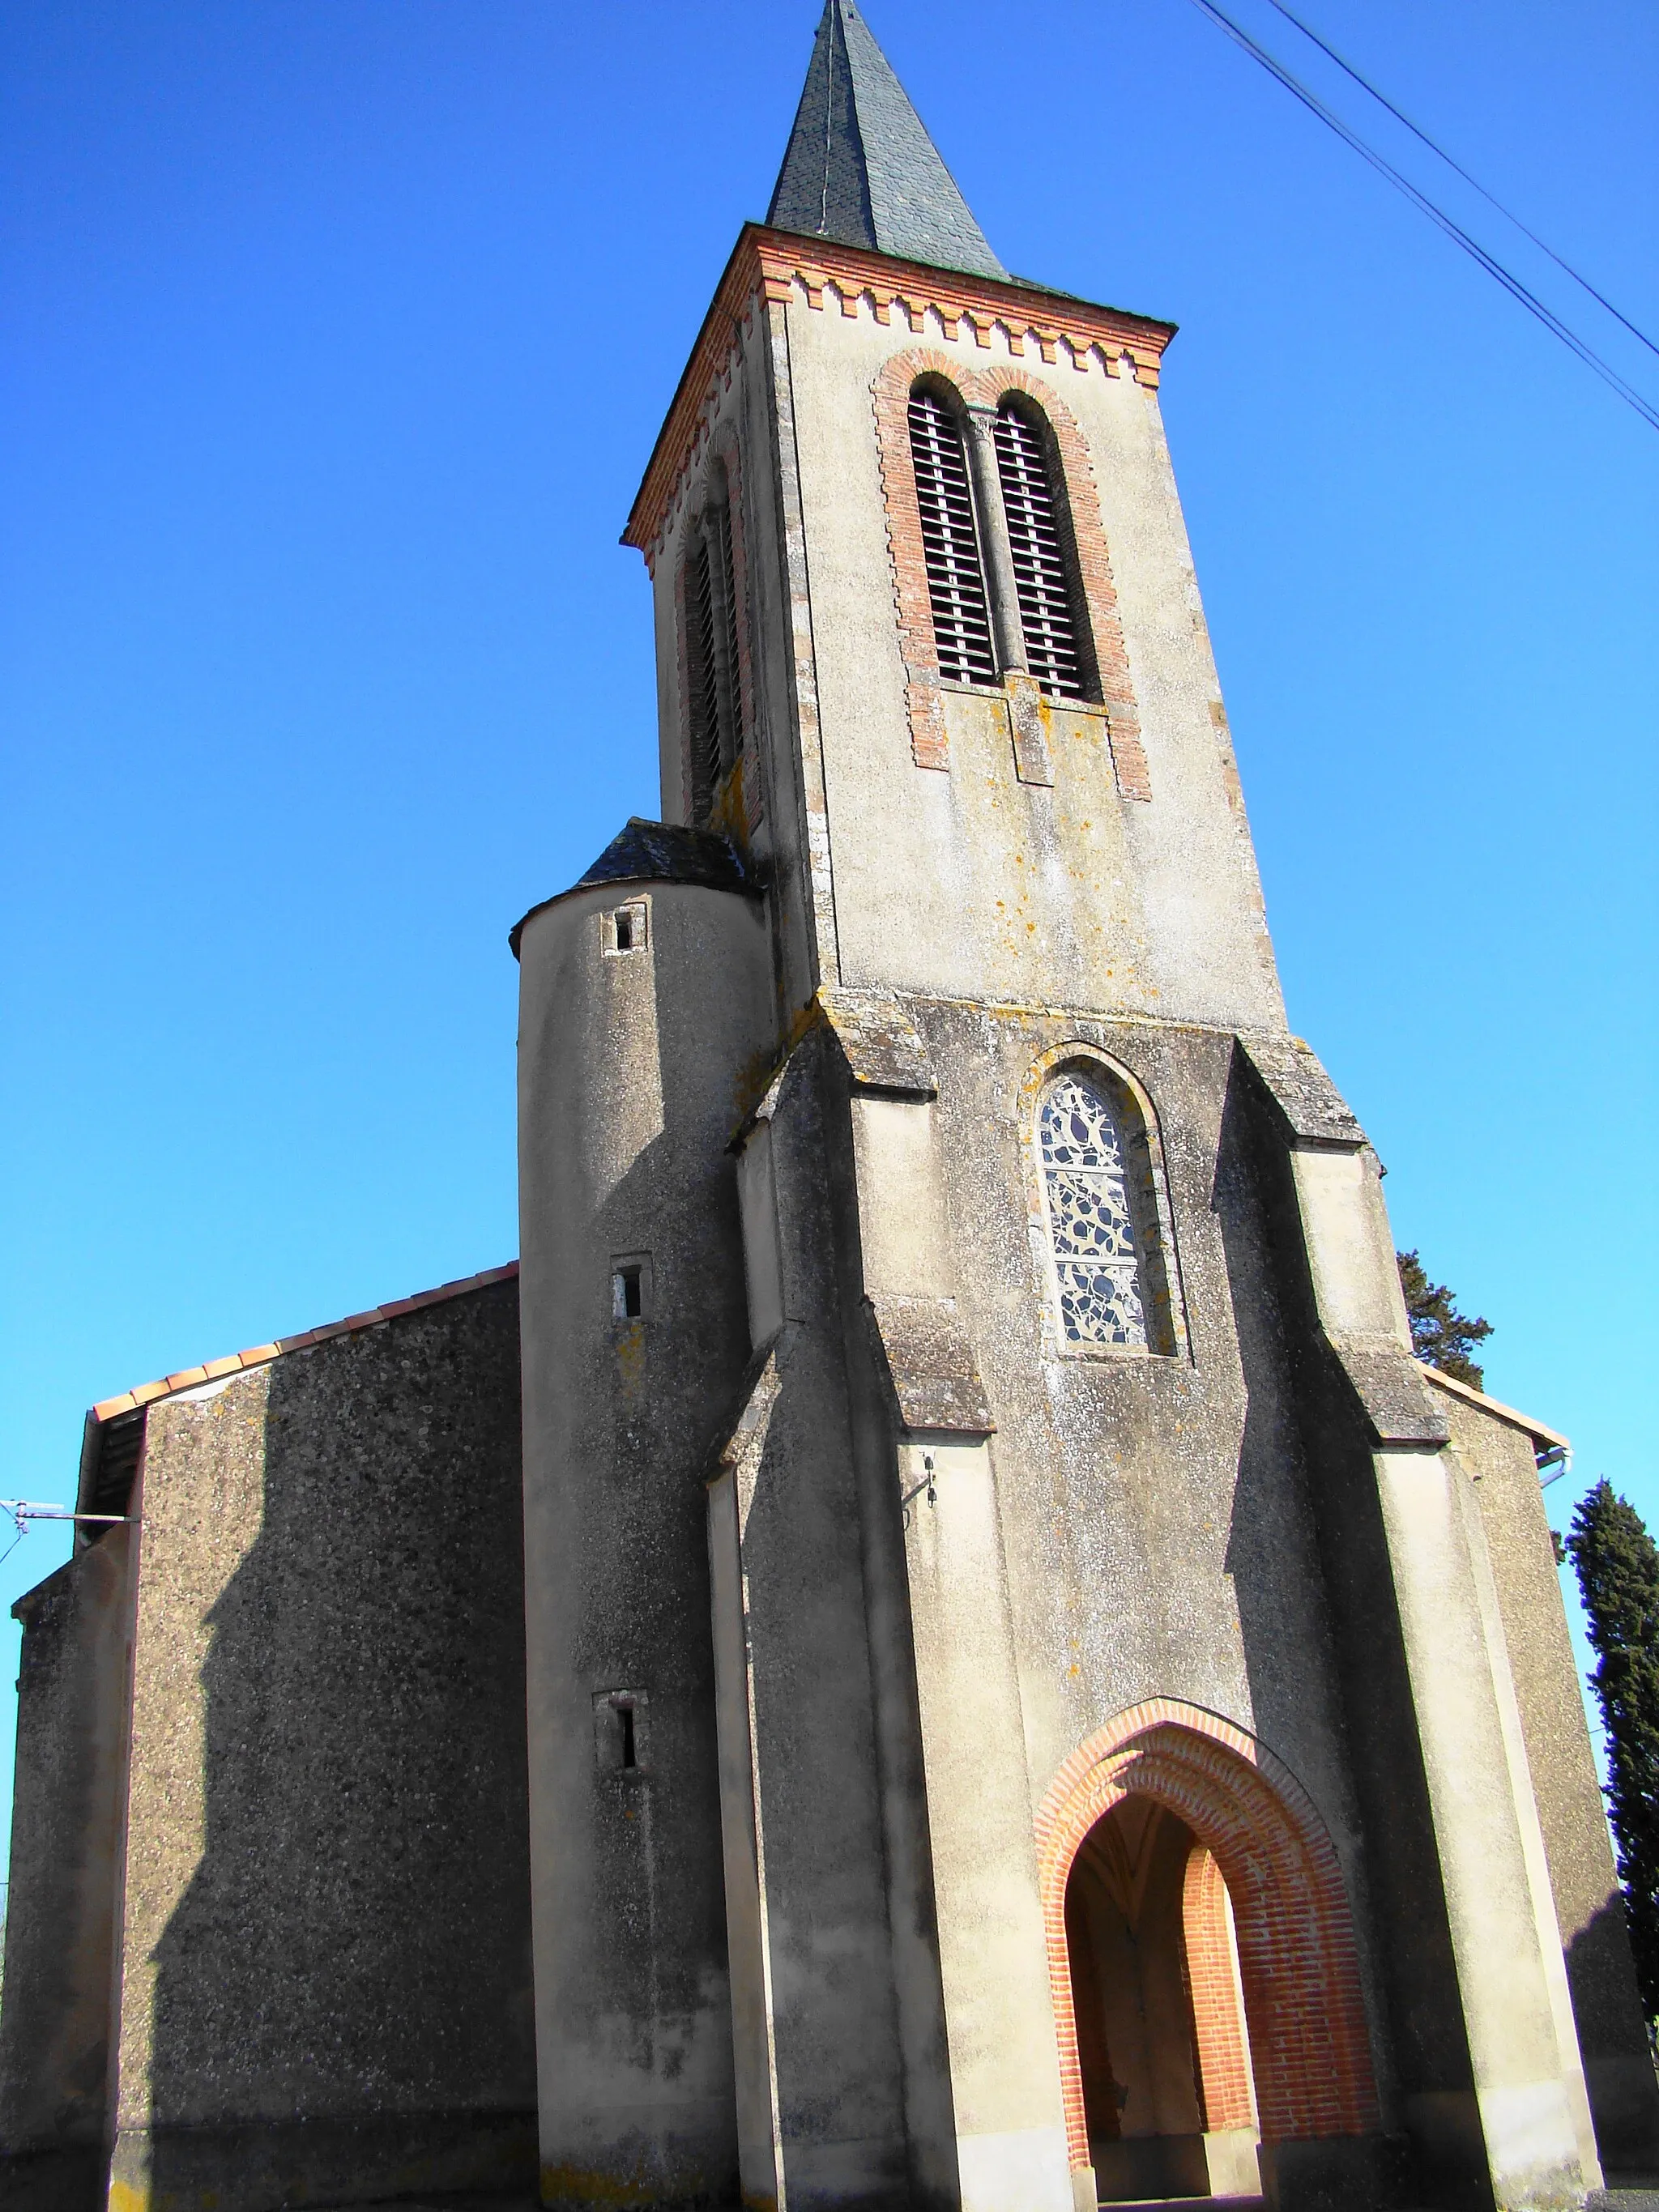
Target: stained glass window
1091 1225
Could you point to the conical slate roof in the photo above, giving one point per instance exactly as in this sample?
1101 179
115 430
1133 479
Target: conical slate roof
664 851
861 168
644 852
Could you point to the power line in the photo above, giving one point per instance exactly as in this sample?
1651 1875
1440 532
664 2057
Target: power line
1437 216
1417 132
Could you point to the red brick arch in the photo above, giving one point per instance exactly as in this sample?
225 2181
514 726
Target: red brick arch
1308 2046
1219 2031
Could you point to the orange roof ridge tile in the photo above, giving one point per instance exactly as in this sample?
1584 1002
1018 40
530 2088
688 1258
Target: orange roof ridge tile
1536 1430
261 1355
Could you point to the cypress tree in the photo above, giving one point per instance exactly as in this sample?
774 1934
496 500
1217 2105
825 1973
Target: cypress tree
1617 1568
1440 1335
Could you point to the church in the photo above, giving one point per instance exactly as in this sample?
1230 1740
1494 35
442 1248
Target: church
928 1646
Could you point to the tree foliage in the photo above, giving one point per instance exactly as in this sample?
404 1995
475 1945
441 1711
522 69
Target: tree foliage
1617 1568
1440 1335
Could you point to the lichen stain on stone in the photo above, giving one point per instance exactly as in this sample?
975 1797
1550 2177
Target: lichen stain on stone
569 2184
630 1357
749 1085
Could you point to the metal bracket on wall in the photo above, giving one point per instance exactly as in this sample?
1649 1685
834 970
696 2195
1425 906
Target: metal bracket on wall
910 1496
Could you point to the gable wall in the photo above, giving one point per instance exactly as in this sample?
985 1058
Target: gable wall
325 1983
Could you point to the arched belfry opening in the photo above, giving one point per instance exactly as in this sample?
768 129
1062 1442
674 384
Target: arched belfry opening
1161 2047
1201 1958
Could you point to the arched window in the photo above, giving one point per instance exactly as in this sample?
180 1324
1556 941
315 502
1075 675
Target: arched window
711 652
1099 1249
1039 539
950 540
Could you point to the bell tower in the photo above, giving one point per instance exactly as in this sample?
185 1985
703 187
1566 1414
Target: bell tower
1020 1706
983 748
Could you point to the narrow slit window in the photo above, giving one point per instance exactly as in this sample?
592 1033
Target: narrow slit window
1091 1228
628 1291
950 540
1042 584
621 1732
625 928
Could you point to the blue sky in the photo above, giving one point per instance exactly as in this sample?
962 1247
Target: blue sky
338 333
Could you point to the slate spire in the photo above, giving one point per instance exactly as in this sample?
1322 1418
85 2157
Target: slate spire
861 168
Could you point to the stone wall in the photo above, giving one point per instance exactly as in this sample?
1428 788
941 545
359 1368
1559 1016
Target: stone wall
322 1988
1498 1454
66 1839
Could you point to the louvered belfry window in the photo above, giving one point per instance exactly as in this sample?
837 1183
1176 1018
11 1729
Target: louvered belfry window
1040 581
949 538
711 621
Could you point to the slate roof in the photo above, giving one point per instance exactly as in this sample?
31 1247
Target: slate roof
657 853
860 168
663 852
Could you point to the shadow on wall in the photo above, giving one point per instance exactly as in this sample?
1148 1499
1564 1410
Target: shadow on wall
1355 1747
342 2003
1621 2080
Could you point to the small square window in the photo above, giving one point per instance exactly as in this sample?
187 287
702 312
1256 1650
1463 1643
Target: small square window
625 928
628 1290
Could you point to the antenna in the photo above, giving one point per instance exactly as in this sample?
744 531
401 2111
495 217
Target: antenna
24 1511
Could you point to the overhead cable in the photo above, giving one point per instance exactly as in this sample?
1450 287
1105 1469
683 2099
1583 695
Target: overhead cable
1494 268
1491 198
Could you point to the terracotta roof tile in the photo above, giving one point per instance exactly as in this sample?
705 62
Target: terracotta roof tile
261 1355
1548 1438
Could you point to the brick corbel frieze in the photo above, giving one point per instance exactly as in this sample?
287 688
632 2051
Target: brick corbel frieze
774 268
986 388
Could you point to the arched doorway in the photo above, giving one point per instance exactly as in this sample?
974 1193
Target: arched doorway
1167 2094
1236 1901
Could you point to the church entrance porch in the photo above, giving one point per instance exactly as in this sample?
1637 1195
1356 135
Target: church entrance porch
1162 2051
1206 1988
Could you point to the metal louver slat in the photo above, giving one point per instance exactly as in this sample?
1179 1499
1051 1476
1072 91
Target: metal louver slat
713 683
733 739
704 676
955 577
1039 578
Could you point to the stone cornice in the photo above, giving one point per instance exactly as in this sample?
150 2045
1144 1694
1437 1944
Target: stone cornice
776 267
